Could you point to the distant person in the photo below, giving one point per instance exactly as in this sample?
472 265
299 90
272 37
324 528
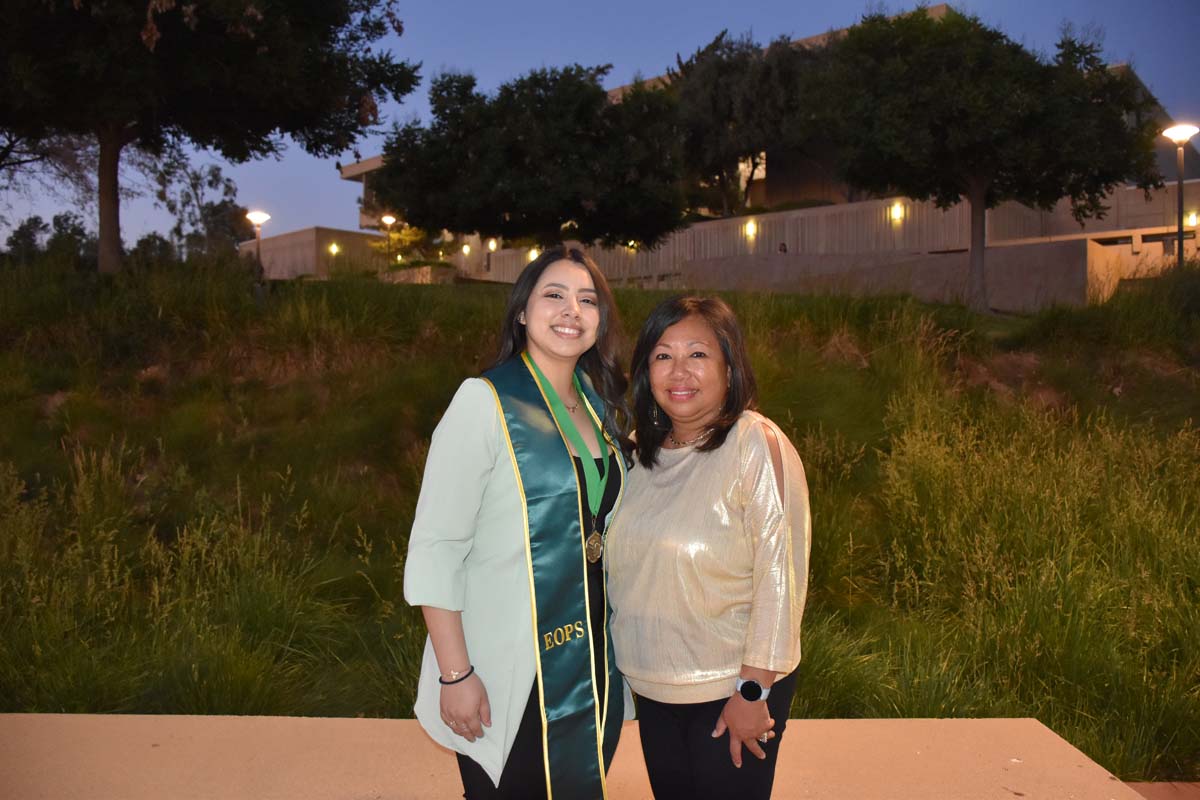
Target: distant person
505 556
708 560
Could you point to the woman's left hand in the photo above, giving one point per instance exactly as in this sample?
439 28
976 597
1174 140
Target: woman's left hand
745 721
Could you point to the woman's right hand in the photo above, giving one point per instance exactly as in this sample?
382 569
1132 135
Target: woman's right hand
465 708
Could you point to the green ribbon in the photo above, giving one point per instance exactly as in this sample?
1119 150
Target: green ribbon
580 728
595 477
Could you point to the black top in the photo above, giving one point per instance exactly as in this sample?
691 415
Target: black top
597 599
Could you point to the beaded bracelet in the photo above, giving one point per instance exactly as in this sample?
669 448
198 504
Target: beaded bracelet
459 679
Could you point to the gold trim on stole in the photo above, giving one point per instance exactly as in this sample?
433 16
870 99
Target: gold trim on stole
532 591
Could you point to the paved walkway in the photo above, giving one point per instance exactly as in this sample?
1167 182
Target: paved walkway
130 757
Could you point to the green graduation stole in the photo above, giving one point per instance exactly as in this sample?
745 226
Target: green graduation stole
580 728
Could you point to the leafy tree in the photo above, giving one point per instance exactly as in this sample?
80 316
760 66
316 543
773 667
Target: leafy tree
47 163
70 242
24 243
153 249
642 197
548 157
715 96
951 109
235 77
208 219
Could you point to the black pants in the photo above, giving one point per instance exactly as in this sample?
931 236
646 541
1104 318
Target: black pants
524 774
684 761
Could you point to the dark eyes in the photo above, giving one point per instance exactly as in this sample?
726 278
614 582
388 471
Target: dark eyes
558 296
695 354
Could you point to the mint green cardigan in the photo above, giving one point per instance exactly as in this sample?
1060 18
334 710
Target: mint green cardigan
466 553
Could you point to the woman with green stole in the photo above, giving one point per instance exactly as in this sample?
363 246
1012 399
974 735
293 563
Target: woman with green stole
524 472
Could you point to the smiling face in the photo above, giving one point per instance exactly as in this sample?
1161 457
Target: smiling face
562 316
688 375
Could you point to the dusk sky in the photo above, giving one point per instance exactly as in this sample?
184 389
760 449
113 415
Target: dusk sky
499 41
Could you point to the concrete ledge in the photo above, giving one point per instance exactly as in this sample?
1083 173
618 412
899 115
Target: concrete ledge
99 757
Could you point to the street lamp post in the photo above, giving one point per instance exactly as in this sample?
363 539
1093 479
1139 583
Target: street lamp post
257 219
1179 134
389 221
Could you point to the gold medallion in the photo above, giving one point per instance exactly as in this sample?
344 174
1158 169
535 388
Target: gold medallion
594 547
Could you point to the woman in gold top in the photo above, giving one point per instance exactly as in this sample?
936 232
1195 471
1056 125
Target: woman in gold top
708 560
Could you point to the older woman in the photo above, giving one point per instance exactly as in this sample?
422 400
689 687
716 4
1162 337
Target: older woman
708 560
524 470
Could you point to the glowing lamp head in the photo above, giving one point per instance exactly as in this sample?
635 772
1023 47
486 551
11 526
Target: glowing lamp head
533 253
1191 219
388 219
896 212
491 245
1179 134
751 229
399 258
257 218
466 249
333 249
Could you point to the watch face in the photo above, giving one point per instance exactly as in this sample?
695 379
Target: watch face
751 690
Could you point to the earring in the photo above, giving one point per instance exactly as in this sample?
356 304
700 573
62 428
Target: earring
654 415
521 318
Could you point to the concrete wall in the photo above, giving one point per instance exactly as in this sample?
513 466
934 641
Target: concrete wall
1034 259
306 253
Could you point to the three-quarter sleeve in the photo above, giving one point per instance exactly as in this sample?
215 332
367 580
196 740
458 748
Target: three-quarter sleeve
462 453
778 525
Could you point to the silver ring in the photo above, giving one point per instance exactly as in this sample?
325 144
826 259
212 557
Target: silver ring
764 738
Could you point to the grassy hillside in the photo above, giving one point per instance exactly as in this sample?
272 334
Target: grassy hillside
204 500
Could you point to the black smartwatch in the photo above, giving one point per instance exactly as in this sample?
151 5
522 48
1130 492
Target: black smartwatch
751 690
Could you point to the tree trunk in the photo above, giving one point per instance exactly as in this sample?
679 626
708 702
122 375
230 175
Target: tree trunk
111 141
749 181
977 296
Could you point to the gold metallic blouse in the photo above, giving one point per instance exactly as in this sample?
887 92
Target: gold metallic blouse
708 566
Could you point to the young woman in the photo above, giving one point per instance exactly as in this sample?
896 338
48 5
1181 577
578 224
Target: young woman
505 556
708 563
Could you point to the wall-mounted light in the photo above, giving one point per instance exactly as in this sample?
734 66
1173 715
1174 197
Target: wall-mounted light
533 253
1191 219
896 212
466 249
333 249
399 258
751 229
491 245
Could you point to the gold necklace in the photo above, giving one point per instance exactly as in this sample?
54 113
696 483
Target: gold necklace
703 434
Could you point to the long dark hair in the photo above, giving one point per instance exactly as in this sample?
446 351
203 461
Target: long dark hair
601 362
743 389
